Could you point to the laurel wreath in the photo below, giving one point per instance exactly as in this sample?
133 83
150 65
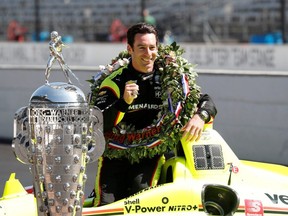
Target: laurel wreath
172 67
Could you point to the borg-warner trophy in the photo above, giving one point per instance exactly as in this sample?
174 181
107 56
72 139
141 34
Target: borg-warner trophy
58 134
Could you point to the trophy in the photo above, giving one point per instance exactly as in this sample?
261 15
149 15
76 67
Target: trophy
58 134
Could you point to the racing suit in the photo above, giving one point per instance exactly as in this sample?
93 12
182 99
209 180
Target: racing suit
118 178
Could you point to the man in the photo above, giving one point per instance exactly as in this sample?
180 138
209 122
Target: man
55 47
131 95
148 18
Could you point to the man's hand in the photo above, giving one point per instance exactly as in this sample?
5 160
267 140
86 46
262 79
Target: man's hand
130 91
193 129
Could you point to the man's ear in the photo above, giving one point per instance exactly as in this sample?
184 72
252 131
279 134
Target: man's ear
129 48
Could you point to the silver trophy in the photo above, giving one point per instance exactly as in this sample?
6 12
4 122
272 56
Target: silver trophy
58 134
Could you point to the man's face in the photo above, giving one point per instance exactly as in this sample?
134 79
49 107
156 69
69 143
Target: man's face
143 52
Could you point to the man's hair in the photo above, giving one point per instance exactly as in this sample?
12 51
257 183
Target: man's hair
141 28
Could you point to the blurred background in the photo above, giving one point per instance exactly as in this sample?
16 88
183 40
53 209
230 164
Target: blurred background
239 49
185 20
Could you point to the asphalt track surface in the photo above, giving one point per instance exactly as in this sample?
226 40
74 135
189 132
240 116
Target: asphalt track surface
9 164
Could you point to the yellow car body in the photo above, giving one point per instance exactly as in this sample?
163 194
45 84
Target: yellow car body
204 178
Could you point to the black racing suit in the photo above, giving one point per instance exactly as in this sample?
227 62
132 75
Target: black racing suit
114 174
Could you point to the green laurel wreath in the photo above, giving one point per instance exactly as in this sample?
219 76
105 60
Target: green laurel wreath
172 66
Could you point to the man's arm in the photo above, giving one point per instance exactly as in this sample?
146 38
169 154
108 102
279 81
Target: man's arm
206 108
206 112
111 106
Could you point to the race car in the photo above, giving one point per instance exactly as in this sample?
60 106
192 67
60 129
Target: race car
203 178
